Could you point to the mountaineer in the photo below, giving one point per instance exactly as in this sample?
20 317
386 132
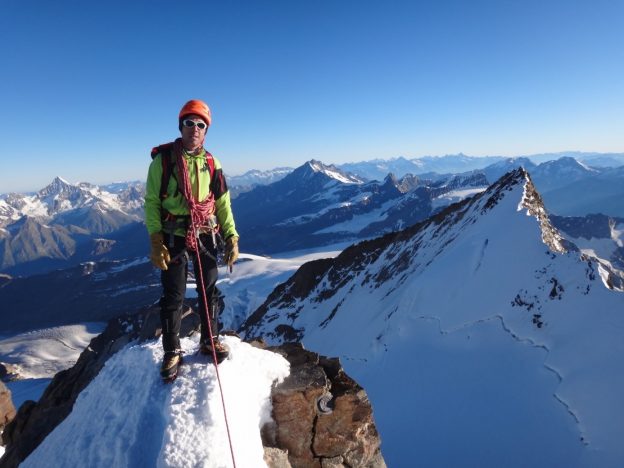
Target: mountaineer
188 215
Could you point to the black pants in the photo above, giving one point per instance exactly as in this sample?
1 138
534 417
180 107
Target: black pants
174 288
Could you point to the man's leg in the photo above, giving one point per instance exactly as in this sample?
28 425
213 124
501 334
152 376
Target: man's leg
209 273
174 287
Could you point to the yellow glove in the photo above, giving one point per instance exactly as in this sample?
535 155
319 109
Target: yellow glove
159 254
231 251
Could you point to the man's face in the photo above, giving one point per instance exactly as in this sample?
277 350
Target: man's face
193 136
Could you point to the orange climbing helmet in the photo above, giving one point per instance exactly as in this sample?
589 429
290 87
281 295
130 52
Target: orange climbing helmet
197 107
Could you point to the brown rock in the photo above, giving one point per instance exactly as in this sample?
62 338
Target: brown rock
7 410
339 431
276 458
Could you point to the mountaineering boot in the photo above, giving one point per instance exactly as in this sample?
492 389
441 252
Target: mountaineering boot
220 349
169 368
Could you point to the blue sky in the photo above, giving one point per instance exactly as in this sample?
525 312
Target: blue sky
88 88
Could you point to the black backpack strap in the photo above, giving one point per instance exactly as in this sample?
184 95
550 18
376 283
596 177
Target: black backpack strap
166 155
218 185
167 171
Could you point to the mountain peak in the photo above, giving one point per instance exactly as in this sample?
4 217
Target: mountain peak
531 201
313 167
56 187
566 162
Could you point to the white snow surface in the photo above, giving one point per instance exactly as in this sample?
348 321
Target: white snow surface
601 248
452 354
127 417
360 221
455 196
42 353
254 277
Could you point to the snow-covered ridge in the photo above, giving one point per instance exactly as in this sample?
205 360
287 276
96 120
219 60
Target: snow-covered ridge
141 422
258 177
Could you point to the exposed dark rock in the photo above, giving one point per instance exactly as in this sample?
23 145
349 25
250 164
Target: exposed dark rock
340 432
8 372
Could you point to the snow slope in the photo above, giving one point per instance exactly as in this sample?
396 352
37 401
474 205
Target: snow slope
127 417
36 356
253 279
42 353
478 344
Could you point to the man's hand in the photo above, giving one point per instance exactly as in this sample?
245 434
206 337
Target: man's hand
231 251
159 254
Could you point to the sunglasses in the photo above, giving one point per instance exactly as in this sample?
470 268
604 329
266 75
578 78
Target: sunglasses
191 123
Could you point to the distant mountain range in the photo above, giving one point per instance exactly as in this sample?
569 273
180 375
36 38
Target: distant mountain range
250 179
65 224
318 204
315 204
378 169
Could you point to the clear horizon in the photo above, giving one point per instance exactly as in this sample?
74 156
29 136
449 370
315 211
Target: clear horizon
91 90
109 182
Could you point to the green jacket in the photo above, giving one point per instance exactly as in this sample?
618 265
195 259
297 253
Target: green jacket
175 202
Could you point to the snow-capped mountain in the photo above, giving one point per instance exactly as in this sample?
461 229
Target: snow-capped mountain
377 169
487 278
250 179
47 229
61 196
551 175
258 177
589 158
453 163
495 171
320 205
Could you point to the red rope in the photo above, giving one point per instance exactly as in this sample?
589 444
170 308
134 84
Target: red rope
200 211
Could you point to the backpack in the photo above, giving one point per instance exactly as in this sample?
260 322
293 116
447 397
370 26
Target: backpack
166 152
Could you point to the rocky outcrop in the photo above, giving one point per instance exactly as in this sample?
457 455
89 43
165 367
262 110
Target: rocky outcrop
322 417
7 410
